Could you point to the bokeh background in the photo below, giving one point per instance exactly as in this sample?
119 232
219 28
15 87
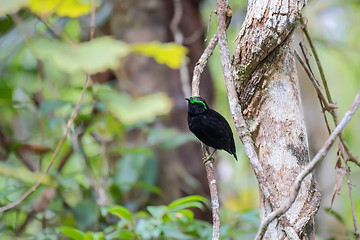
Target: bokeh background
129 154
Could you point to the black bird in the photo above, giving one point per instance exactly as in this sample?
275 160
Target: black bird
209 126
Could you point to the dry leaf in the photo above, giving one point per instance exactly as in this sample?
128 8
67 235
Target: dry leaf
339 175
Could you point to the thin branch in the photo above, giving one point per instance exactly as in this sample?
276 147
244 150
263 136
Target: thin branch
92 20
210 172
304 52
63 138
347 171
201 63
64 159
194 36
224 16
317 59
57 150
215 205
343 147
356 230
352 157
315 83
179 39
333 113
240 124
309 168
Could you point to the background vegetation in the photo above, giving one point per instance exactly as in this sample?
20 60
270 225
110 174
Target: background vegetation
107 182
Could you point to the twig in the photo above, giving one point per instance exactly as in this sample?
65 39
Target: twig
352 157
201 63
62 140
57 150
223 12
356 230
347 171
179 39
315 83
309 168
306 58
92 20
210 172
194 36
318 63
240 124
64 159
333 113
343 147
208 25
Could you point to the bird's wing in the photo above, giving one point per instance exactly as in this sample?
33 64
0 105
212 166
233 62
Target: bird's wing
215 131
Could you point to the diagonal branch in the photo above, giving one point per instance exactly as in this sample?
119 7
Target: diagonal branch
333 113
356 230
239 121
179 39
210 172
328 106
63 138
201 63
310 167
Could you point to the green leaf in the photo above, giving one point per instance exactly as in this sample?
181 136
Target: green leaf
85 213
72 233
142 214
8 190
131 110
120 212
73 28
89 236
251 217
147 188
132 150
169 138
151 175
125 234
5 92
128 170
186 215
48 106
11 6
23 174
91 57
171 54
187 202
157 211
64 8
335 214
171 231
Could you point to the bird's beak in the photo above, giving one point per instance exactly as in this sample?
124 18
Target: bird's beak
187 99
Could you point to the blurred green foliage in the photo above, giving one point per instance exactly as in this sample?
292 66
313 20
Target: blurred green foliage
109 158
174 221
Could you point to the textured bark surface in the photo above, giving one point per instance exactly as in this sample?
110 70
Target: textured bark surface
264 69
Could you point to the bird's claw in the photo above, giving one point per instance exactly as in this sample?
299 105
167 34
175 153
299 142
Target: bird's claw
207 159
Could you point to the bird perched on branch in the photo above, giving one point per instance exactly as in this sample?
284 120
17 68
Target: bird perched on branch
209 127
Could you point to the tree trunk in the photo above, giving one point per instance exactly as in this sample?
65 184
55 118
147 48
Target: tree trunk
264 70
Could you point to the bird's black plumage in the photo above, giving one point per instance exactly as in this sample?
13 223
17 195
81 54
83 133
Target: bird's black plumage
209 126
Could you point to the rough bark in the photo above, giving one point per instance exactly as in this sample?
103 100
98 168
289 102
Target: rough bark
264 70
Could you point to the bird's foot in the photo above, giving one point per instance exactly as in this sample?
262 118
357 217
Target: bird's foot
208 158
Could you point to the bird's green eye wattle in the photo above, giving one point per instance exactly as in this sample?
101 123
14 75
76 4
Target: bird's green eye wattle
192 101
